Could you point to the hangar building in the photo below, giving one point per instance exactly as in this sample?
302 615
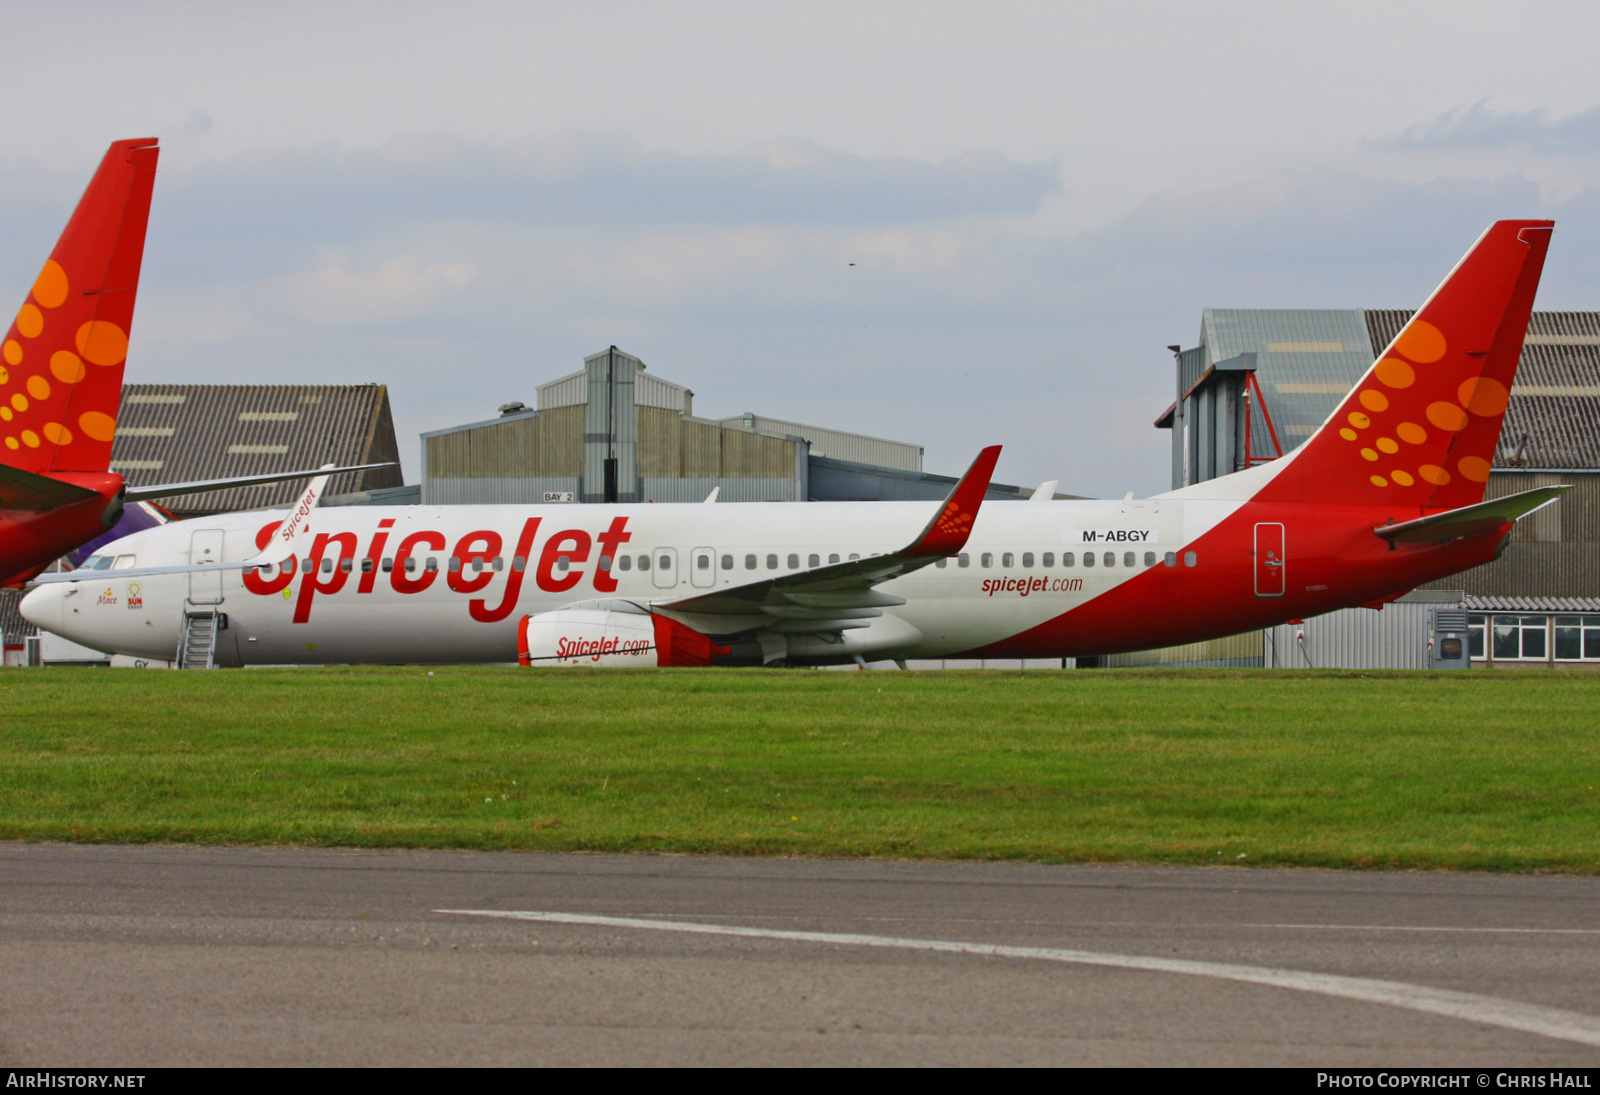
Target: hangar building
614 431
1261 381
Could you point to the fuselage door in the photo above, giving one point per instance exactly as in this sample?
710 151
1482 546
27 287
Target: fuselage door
703 567
1269 559
664 568
205 587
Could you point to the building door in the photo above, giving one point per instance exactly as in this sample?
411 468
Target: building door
205 546
664 568
1269 559
703 567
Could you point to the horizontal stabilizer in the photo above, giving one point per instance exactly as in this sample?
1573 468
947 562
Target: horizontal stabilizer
1457 524
25 490
200 486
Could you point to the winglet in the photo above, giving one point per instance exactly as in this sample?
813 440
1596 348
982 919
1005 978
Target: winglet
288 537
947 533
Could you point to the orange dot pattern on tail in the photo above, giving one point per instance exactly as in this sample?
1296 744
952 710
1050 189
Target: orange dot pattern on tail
954 521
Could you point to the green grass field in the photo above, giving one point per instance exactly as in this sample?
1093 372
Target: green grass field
1474 770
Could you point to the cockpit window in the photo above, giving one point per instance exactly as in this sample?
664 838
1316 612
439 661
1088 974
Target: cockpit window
97 562
124 562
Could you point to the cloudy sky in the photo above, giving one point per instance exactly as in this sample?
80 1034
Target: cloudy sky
947 223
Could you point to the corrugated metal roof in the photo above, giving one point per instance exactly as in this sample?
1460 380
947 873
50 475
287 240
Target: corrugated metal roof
857 448
14 627
1532 604
1306 361
171 433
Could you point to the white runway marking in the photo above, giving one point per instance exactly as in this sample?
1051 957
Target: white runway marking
1410 928
1570 1026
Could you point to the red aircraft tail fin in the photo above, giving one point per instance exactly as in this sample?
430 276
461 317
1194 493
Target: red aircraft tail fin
1421 427
61 362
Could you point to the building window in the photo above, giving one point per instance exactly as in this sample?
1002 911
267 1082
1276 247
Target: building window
1475 629
1521 638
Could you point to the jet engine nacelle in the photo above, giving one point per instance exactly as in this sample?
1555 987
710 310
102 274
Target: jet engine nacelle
600 637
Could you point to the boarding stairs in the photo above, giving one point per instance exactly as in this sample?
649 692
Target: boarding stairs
197 648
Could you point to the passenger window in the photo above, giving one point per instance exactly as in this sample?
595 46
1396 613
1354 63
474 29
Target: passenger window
794 561
1049 559
305 566
520 563
1129 558
367 566
433 565
1088 559
749 562
941 563
387 564
702 561
604 563
1172 559
1068 559
1109 559
411 564
644 562
1189 559
1149 558
727 562
854 556
772 562
963 560
1027 558
499 563
663 563
562 563
987 559
346 565
834 558
813 560
453 564
625 562
327 566
1008 559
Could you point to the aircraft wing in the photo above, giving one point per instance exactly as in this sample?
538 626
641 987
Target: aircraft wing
199 486
840 596
28 490
1457 524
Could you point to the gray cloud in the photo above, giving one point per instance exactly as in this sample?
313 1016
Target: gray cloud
1478 127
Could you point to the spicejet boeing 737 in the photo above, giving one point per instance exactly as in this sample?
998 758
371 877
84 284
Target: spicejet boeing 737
1386 495
61 378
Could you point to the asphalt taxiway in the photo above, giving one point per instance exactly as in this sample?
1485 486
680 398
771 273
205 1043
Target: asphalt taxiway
167 955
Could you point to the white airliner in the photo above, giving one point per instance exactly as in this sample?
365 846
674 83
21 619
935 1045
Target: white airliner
1387 495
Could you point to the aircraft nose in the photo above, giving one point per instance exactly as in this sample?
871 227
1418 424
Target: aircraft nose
42 607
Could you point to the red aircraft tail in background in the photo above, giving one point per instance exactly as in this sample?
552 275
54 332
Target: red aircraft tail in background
61 371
